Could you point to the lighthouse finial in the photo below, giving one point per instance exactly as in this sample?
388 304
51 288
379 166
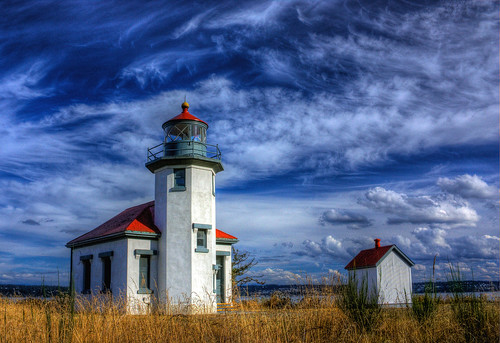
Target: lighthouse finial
185 104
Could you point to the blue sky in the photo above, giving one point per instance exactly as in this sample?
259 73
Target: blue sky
339 122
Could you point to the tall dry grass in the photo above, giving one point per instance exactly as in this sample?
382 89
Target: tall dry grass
314 319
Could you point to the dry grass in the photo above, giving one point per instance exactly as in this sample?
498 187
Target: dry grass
316 319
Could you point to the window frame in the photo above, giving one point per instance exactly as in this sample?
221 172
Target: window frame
204 237
106 274
147 260
146 254
179 174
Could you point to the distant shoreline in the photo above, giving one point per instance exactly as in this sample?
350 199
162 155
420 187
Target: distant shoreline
10 290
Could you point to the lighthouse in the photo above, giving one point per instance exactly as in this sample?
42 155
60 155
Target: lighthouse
167 252
185 166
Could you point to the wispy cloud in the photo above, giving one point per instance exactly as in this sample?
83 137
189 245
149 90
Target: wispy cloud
344 217
313 104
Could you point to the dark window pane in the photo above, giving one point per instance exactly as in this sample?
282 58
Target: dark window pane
86 275
144 272
201 239
180 177
106 265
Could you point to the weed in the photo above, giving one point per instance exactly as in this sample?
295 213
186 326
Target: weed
425 306
359 303
470 310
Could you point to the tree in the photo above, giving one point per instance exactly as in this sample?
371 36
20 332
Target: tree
242 263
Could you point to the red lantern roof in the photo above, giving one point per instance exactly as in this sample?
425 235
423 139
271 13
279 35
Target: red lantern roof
185 115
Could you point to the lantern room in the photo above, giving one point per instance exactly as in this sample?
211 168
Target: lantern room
185 142
185 135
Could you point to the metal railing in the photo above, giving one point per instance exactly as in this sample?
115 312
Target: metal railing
187 148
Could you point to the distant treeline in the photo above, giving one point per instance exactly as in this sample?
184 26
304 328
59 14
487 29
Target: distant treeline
418 287
31 291
264 290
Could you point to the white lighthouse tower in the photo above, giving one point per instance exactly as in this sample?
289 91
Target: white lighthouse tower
185 167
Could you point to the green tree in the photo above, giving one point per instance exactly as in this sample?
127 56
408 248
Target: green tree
242 263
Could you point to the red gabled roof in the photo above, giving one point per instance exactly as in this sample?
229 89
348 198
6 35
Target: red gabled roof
138 219
223 235
371 257
368 258
185 115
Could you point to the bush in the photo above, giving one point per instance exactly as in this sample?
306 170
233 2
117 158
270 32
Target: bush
278 300
358 304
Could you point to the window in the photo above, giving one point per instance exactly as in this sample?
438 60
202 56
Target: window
177 132
179 180
106 270
213 184
106 274
201 240
201 236
144 269
86 276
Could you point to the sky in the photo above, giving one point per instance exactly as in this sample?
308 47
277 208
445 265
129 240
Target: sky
338 122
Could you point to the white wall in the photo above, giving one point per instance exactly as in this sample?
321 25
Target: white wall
366 276
185 276
395 280
118 267
160 218
203 212
172 217
228 286
140 303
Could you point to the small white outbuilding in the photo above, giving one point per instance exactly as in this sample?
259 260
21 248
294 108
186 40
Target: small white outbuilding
385 271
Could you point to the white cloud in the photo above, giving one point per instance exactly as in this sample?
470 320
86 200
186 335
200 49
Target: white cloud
329 246
431 237
419 209
277 276
468 186
419 267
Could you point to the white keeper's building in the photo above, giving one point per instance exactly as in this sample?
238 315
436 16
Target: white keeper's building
167 251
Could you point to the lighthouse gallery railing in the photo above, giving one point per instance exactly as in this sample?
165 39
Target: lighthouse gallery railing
187 149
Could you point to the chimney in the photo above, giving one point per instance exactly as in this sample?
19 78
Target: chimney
377 243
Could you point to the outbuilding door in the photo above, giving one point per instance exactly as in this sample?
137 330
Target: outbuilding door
219 281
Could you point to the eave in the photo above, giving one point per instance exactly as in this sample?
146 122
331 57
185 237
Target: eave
226 241
119 235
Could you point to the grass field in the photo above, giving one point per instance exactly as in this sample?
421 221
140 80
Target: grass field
315 319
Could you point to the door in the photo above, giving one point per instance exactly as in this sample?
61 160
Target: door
219 281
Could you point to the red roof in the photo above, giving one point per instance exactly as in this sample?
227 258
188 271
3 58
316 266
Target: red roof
368 258
371 257
185 115
136 219
223 235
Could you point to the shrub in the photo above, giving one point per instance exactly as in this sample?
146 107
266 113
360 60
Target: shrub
278 300
359 304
